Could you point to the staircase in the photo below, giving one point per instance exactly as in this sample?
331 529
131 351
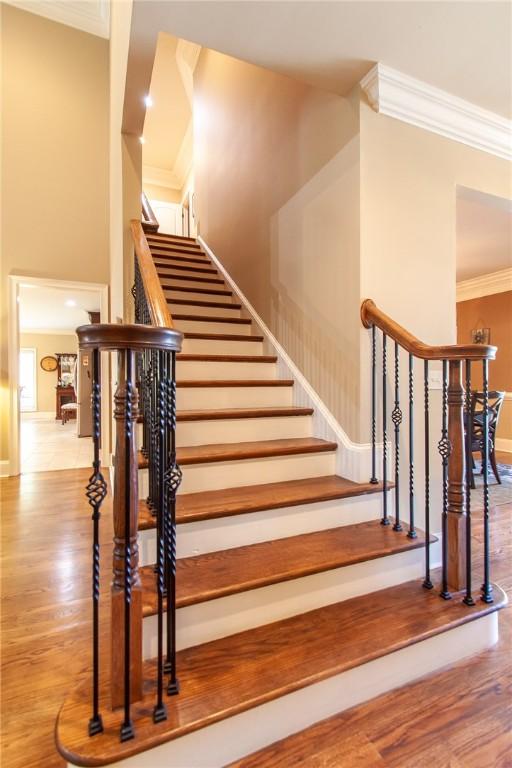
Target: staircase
292 600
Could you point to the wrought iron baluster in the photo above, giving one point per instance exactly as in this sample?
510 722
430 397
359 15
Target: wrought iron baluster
173 480
486 586
444 450
373 478
96 492
385 519
427 583
127 729
468 599
160 710
411 533
396 418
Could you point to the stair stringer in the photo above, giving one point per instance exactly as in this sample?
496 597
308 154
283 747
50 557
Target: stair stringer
353 460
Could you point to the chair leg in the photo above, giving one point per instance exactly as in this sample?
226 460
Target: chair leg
495 466
470 469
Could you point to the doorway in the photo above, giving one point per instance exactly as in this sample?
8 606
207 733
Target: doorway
50 380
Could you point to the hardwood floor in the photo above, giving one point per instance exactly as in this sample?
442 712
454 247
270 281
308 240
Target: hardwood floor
459 718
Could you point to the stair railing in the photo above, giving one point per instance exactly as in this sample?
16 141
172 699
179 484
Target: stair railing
454 445
146 389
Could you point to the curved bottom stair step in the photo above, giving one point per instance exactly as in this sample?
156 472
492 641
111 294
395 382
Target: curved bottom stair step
227 677
218 574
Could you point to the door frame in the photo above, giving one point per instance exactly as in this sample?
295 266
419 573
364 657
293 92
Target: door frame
13 330
34 373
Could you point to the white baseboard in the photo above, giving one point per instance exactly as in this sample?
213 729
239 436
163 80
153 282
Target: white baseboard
354 460
504 444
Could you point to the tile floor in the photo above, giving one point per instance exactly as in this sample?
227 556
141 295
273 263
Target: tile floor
46 444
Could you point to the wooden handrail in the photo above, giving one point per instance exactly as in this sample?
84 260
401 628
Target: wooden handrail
372 315
157 303
150 222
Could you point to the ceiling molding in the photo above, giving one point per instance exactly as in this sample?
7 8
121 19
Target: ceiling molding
160 176
392 93
485 285
92 16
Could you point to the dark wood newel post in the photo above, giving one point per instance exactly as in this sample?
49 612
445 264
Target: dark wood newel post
456 486
122 490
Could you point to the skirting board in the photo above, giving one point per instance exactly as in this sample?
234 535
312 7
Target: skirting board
354 461
229 740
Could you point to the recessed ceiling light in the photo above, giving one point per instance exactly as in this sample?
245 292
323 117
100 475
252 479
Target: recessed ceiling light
70 303
148 101
142 139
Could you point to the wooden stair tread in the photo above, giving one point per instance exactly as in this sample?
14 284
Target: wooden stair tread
200 383
185 289
168 237
229 572
226 358
179 257
255 449
175 248
233 674
209 505
242 413
185 267
167 276
212 304
213 319
221 336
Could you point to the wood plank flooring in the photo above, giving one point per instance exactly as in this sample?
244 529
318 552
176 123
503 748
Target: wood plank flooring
460 718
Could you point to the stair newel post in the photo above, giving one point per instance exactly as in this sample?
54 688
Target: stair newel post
456 520
126 630
172 482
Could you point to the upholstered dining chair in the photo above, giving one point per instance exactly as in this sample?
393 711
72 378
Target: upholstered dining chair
495 402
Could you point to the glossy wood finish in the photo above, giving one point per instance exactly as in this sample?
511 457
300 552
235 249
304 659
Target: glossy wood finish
179 257
257 449
221 336
215 319
243 413
188 278
236 673
372 315
456 523
226 358
208 505
184 289
128 336
163 264
218 574
157 303
166 238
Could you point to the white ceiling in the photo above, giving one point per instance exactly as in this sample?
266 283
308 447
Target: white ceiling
484 234
166 122
461 47
44 308
88 15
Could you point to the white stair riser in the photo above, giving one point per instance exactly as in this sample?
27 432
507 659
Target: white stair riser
207 398
215 745
193 309
267 525
221 347
217 371
238 430
233 474
206 326
227 615
175 293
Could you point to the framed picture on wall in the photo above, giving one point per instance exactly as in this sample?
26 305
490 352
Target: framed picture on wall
481 336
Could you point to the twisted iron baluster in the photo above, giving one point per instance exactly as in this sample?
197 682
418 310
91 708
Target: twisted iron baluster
444 448
385 520
127 730
396 418
160 711
468 599
96 492
173 480
373 478
486 586
427 583
411 533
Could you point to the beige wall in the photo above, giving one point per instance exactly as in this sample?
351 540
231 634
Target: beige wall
55 165
277 199
164 194
47 344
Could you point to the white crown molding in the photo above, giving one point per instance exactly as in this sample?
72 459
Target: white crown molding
392 93
485 285
92 16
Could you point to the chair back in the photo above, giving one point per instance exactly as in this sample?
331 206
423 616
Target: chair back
495 402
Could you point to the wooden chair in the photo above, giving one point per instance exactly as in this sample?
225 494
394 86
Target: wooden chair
68 411
495 402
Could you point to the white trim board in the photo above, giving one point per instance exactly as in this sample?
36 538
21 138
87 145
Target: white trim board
485 285
397 95
354 460
92 16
